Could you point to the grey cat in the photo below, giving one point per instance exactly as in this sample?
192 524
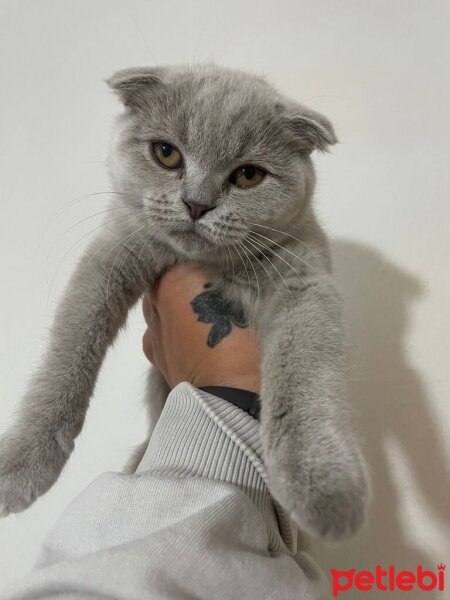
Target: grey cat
210 166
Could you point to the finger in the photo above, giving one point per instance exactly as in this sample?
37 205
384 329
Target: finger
176 288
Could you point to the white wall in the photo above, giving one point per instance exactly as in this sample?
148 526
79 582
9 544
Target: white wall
379 70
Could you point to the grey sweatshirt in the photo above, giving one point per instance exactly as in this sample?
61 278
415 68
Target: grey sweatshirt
195 521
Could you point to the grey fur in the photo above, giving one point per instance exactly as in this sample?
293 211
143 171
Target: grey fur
261 245
157 392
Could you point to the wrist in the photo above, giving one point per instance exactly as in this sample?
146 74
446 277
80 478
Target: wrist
235 378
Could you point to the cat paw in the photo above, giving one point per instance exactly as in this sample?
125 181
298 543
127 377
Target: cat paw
326 496
28 468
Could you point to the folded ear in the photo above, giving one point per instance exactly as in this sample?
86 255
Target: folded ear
132 86
311 130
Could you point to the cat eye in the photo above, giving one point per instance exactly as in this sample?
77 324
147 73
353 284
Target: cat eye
167 155
246 176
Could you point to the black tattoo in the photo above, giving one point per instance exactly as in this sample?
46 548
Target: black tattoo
212 307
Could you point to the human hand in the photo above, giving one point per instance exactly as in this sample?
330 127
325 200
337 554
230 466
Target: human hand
220 351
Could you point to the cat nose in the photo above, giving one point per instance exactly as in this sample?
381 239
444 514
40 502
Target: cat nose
197 210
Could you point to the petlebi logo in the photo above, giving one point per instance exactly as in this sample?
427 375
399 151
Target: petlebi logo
388 580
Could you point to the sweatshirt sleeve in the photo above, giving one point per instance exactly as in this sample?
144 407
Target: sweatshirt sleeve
196 520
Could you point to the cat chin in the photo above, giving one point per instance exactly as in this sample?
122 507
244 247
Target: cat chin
189 243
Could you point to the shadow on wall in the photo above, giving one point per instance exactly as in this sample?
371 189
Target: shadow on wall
390 402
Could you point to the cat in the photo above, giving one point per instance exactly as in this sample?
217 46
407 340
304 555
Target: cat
210 166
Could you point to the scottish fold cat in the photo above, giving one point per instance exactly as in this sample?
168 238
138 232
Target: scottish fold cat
211 166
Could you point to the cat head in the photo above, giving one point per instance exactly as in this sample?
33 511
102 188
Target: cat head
210 151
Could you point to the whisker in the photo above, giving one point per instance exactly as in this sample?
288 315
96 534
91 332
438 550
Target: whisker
286 250
78 242
152 235
133 245
226 256
94 254
97 214
231 260
241 245
66 254
283 279
118 254
268 273
246 270
78 199
240 230
309 283
285 233
266 247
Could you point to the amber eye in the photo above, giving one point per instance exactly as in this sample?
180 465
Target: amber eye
246 176
167 155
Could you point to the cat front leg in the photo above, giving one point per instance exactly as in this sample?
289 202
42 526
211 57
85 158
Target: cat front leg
107 282
316 470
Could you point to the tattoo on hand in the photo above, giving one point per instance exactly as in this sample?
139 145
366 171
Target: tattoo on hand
212 307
